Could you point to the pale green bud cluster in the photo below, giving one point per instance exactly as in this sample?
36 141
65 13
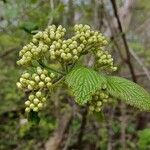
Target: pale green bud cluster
94 41
91 39
65 51
40 44
104 59
50 44
35 102
51 47
31 52
38 80
100 98
50 34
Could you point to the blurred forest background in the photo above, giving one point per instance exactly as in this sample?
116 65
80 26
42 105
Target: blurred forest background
64 125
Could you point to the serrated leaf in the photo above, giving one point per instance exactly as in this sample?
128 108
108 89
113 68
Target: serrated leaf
128 91
84 82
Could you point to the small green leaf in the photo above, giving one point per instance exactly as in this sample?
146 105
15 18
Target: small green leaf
84 82
128 91
33 118
99 116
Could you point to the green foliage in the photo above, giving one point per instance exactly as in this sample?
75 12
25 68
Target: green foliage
144 139
84 82
33 117
128 91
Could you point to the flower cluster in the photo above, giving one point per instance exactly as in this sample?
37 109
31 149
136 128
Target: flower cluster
51 47
100 98
35 102
105 60
38 81
40 45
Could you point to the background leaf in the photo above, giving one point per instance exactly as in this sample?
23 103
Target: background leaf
84 82
33 118
128 91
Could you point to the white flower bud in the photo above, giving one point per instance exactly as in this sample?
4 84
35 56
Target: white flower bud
108 56
43 99
79 49
82 38
52 35
99 103
26 75
64 46
105 42
58 45
87 34
103 56
71 46
52 75
39 70
49 84
60 27
114 68
58 36
41 84
35 101
38 94
69 55
31 97
34 40
47 79
19 85
75 57
32 83
43 76
63 55
75 52
30 87
82 46
102 95
40 105
27 109
67 50
45 71
37 78
27 103
87 27
91 108
98 109
35 109
52 47
32 105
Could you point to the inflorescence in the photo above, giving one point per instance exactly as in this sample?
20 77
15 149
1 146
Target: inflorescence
51 47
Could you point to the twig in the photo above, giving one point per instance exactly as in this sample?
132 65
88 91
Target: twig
140 63
7 52
82 128
55 142
128 60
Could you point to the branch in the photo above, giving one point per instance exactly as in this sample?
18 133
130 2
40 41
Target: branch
82 128
55 142
128 60
7 52
140 63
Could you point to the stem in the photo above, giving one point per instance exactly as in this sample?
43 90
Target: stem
82 128
49 68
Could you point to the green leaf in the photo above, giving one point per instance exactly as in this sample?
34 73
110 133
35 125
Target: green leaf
128 91
33 117
84 82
